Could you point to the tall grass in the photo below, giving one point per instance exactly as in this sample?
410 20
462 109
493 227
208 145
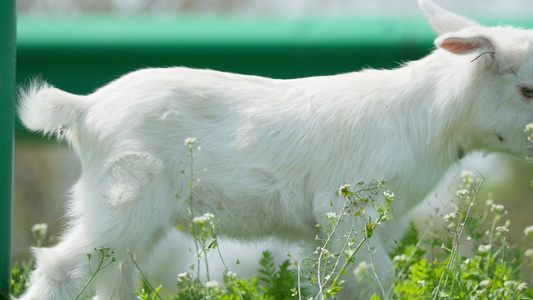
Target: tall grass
462 254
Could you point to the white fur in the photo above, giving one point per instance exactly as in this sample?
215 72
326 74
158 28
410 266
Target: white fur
275 151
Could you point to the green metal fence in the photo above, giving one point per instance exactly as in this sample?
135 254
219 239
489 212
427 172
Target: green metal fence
7 87
82 52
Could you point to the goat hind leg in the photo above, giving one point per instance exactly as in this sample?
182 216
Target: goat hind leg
112 211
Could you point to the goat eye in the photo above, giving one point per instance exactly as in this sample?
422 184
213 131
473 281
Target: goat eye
527 92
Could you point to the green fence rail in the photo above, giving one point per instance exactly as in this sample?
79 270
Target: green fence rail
82 52
7 93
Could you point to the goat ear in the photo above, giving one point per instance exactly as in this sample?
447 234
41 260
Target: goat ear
464 44
442 20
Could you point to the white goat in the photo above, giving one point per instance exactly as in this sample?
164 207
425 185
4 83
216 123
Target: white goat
275 151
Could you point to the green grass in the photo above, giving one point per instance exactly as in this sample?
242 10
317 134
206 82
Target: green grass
463 253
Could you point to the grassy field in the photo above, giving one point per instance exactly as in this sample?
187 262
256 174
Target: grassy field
463 254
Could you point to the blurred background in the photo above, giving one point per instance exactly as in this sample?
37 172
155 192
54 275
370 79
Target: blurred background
272 7
79 45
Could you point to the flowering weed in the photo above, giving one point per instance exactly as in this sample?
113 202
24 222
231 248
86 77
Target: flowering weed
470 258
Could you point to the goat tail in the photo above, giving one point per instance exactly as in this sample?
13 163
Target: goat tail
44 108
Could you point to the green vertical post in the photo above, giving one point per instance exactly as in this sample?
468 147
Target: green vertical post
7 95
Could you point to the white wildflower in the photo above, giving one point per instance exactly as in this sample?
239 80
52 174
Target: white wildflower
323 250
331 216
449 217
203 219
467 173
496 208
199 220
211 284
500 230
528 253
399 258
343 190
182 276
361 268
484 249
510 284
382 182
461 193
231 275
350 252
388 195
484 283
489 202
467 177
528 230
529 129
190 141
39 231
521 286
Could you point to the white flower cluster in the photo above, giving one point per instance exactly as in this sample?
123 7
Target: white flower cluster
182 276
362 268
450 217
231 275
321 249
484 249
331 216
343 190
399 258
484 283
528 231
39 229
462 193
467 177
529 129
203 219
528 253
496 208
190 141
500 230
382 183
388 195
211 284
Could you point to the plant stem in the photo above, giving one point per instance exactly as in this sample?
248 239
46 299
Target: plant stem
142 275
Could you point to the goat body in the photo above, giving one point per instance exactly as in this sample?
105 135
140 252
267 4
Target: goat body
274 151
